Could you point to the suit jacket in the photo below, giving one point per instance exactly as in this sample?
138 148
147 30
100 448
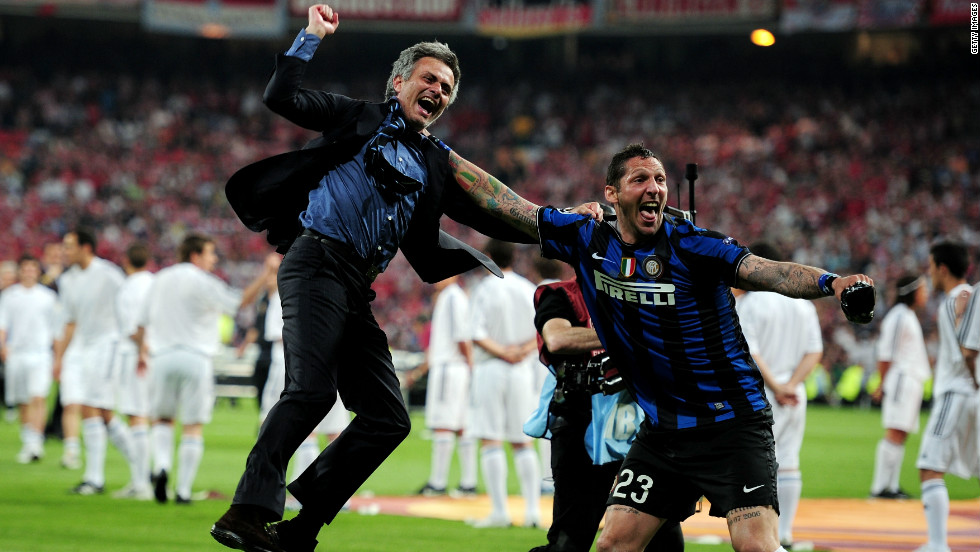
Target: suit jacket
270 194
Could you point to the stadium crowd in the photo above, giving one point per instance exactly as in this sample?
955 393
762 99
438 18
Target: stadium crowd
851 177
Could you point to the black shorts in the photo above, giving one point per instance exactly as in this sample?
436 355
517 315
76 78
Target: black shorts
732 464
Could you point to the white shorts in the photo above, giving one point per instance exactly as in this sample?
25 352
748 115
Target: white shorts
182 381
447 396
901 403
503 396
789 424
133 388
27 375
949 443
98 379
70 386
335 421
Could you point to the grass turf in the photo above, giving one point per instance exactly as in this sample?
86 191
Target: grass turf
39 515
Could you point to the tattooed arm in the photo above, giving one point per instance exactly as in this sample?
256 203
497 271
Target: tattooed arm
789 279
494 196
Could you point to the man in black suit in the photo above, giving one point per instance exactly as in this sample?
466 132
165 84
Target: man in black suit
375 182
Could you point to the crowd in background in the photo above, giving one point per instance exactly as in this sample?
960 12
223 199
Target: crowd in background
852 177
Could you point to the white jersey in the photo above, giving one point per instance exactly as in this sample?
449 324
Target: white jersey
502 309
900 342
951 374
89 298
450 326
780 330
30 317
183 309
969 330
131 299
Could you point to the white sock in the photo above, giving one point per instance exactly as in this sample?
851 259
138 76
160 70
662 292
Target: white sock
162 441
119 437
466 450
494 464
305 455
442 453
529 474
888 464
94 434
36 442
780 549
73 447
189 455
789 486
935 502
25 436
544 451
139 456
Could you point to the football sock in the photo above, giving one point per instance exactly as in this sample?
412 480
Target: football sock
189 455
94 434
305 455
442 452
935 502
73 447
162 441
139 461
494 464
466 450
119 437
888 463
789 486
528 469
897 455
544 451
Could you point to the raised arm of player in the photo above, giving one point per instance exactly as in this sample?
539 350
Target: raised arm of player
790 279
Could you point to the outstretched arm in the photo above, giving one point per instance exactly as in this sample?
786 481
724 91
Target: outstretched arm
790 279
494 196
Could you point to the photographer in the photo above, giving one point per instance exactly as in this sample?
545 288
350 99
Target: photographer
576 414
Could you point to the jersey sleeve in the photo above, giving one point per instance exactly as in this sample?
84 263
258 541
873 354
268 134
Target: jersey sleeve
969 331
459 312
563 234
814 337
552 304
887 338
711 253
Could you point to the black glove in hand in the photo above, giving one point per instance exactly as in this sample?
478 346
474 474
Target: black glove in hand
858 303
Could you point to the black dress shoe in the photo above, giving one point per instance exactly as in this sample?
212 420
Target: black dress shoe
243 528
287 541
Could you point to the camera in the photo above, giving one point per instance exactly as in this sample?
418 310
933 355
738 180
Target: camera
579 379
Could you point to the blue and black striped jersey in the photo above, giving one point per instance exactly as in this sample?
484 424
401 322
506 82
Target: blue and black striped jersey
666 315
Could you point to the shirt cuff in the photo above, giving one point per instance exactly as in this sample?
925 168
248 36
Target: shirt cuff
304 46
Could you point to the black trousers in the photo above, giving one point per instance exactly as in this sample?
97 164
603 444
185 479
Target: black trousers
332 343
581 490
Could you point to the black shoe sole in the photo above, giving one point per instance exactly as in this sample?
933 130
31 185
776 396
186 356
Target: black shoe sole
232 540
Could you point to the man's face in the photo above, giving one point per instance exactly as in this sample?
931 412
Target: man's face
71 249
640 199
207 259
425 94
934 275
29 272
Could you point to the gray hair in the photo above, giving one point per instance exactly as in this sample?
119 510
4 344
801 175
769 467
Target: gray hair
406 61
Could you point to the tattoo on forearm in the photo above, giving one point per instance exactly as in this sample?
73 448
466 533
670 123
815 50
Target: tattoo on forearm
494 195
789 279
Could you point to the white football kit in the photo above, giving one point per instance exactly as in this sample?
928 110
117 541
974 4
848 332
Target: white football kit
900 342
133 388
31 319
447 392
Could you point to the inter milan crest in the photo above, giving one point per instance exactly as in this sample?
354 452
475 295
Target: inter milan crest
652 267
627 266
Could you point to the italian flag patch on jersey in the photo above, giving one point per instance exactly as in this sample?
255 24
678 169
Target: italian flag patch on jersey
627 266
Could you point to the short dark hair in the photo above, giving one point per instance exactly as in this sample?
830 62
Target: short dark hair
766 250
906 281
500 252
410 56
951 254
192 243
617 167
549 269
27 258
138 254
86 236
